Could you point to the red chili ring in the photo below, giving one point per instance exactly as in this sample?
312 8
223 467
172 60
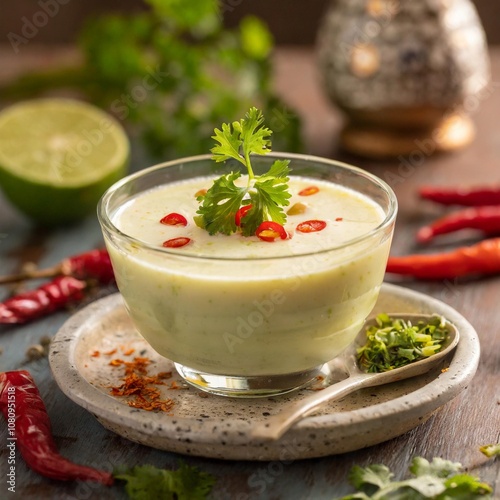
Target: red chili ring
311 226
174 219
240 214
271 231
176 242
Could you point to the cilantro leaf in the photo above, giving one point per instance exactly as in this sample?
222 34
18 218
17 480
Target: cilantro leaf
220 203
438 467
373 475
229 144
266 193
436 480
146 482
466 487
254 135
268 198
241 139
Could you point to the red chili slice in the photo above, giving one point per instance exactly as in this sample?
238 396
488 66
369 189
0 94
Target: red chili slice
311 226
308 191
176 242
271 231
240 214
174 219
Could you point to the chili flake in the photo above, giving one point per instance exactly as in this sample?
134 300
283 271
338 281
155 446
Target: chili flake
174 386
141 386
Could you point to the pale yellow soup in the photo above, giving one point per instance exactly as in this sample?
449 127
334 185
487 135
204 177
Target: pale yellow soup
235 305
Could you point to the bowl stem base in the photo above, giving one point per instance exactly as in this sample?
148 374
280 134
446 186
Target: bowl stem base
252 386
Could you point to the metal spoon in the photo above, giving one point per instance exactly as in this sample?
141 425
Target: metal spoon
275 426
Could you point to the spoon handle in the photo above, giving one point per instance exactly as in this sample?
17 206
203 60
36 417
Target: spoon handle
275 426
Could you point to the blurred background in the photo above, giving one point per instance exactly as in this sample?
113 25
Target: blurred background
291 22
34 37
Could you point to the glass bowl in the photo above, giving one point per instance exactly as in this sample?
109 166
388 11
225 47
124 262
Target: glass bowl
252 326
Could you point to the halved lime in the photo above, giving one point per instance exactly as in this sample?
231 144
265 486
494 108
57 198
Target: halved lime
58 156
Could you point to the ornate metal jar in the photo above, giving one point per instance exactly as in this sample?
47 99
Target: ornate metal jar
403 71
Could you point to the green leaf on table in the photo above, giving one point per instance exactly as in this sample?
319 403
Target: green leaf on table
146 482
436 480
438 467
490 450
373 475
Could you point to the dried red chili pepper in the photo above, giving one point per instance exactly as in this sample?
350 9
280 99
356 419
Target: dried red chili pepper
240 214
271 231
311 226
485 219
478 259
176 242
20 400
476 196
43 300
94 264
48 298
174 219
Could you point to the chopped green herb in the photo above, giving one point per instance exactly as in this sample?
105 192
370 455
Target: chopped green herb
437 480
267 194
146 482
490 450
394 343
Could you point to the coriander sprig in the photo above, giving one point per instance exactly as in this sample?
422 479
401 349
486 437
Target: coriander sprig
148 481
436 480
267 194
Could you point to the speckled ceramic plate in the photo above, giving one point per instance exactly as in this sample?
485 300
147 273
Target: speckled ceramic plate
218 427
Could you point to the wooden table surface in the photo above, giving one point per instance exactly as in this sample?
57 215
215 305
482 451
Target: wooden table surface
455 432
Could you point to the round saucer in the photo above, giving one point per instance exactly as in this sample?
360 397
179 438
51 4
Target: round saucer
83 351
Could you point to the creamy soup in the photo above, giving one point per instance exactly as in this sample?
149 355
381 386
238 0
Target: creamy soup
236 305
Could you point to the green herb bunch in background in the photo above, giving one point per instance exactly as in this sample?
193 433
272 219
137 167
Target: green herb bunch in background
174 72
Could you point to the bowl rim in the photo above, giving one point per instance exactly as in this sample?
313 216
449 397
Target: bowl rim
112 231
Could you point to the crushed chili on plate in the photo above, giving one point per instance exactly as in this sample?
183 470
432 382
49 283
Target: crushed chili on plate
141 387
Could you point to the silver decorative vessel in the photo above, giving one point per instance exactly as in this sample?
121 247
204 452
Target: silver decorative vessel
404 72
